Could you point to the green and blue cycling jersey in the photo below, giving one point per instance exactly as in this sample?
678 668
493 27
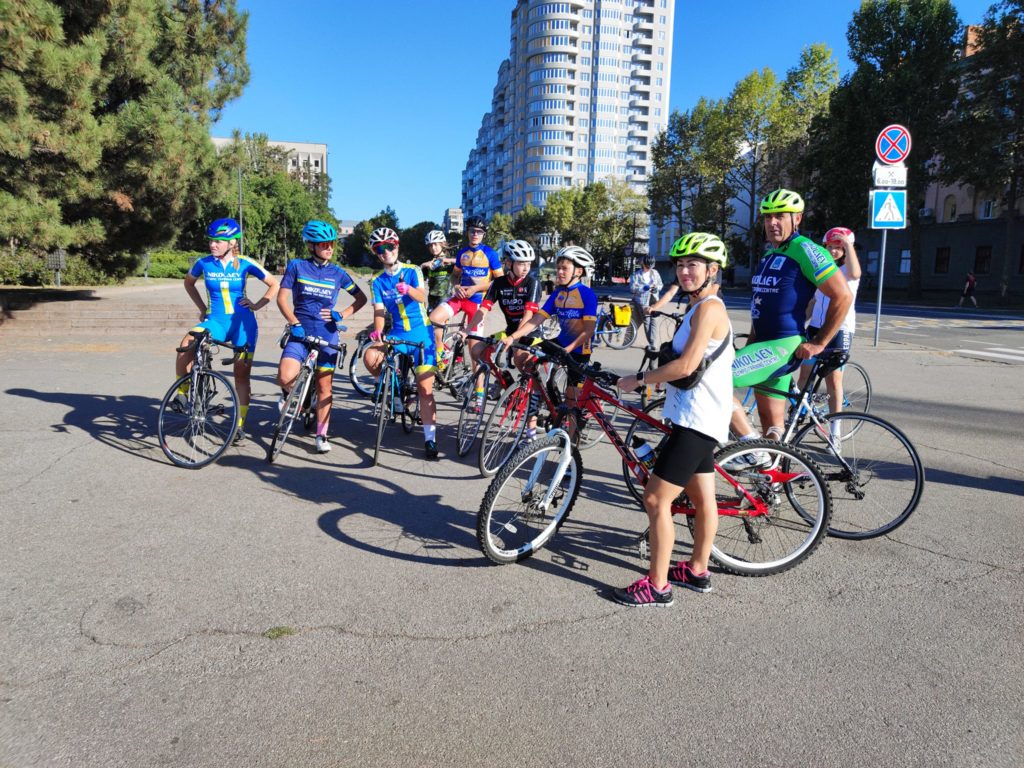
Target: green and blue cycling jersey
225 287
784 284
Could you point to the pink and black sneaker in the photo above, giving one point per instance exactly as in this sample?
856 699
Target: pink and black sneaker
643 593
683 576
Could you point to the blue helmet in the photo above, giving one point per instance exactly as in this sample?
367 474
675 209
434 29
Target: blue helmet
224 229
319 232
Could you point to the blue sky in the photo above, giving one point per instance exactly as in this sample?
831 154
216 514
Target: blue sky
396 88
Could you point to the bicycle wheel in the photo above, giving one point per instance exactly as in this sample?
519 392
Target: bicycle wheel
290 411
384 406
458 372
617 337
550 328
876 480
471 415
362 380
651 435
528 500
309 407
199 433
410 401
777 513
505 427
856 393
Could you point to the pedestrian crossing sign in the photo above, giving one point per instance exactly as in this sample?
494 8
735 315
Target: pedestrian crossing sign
888 209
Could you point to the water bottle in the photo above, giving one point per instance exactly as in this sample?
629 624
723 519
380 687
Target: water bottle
643 452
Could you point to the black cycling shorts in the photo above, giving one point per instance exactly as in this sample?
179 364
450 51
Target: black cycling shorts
685 454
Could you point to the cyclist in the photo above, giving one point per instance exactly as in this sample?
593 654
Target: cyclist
645 284
783 283
475 266
439 266
400 291
575 306
227 313
518 297
700 420
839 242
310 290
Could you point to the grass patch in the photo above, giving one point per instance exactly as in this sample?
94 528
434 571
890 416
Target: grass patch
275 633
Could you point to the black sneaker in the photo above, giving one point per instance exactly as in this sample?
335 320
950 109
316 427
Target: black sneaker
239 436
430 448
642 594
683 576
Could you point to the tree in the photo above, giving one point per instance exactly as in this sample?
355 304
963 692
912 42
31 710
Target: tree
499 228
106 107
982 142
356 247
529 224
413 249
905 53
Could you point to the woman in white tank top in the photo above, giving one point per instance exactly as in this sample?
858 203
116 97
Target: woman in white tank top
700 419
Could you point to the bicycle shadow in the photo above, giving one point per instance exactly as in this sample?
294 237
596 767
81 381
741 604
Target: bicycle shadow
126 423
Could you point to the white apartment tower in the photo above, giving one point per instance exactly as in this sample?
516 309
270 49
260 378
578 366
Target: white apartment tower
580 98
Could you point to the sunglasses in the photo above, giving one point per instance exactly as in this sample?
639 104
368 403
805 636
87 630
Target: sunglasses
380 248
476 230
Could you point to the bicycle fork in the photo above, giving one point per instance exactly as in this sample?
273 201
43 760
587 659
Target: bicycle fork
542 504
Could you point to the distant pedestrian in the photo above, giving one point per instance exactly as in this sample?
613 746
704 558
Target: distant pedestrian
645 286
968 291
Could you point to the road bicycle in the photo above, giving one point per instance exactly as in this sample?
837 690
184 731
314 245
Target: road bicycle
493 382
856 393
875 473
459 368
362 380
195 426
395 395
301 401
607 331
771 516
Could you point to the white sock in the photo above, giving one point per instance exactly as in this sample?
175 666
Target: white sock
755 435
429 431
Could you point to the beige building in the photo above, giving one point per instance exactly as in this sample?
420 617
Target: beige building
299 153
581 98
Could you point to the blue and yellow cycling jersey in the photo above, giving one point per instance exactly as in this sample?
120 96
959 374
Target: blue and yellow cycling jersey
573 305
783 285
315 288
225 285
478 266
407 313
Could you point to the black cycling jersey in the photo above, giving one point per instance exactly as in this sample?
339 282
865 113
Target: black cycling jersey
513 298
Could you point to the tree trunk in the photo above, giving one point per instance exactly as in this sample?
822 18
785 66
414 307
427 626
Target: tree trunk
1011 231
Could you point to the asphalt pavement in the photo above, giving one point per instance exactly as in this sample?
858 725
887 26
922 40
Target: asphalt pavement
323 612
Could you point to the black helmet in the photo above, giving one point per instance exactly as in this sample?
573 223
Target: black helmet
476 222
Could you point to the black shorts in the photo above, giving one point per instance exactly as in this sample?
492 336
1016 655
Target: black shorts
574 379
685 454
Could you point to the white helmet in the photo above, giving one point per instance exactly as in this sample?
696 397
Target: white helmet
578 256
519 250
383 235
435 236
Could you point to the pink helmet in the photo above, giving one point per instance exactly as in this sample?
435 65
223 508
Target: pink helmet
837 235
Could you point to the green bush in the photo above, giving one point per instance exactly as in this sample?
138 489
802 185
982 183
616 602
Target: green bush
168 263
23 268
27 268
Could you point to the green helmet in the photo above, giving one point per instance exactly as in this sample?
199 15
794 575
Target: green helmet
700 245
782 201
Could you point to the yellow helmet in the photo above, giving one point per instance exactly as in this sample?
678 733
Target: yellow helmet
782 201
702 245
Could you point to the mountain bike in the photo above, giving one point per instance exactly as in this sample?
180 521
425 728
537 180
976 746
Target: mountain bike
195 427
301 401
771 516
607 330
395 396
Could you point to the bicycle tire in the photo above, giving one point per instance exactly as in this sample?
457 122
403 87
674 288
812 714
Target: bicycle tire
856 391
383 407
200 436
617 337
309 408
799 506
512 523
470 422
409 394
506 425
650 435
363 382
457 373
290 411
879 481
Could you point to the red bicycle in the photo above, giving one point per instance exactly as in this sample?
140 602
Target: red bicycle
774 510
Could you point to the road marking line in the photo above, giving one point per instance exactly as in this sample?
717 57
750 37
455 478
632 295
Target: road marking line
1018 358
1017 351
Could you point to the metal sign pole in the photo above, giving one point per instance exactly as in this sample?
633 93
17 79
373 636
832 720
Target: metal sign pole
881 276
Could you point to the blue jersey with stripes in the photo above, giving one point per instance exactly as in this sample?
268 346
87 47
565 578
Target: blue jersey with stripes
478 266
225 284
573 305
314 288
784 284
407 313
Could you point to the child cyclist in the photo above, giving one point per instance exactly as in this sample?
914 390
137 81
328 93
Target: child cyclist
401 292
518 297
310 290
475 266
226 313
438 267
700 420
575 306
